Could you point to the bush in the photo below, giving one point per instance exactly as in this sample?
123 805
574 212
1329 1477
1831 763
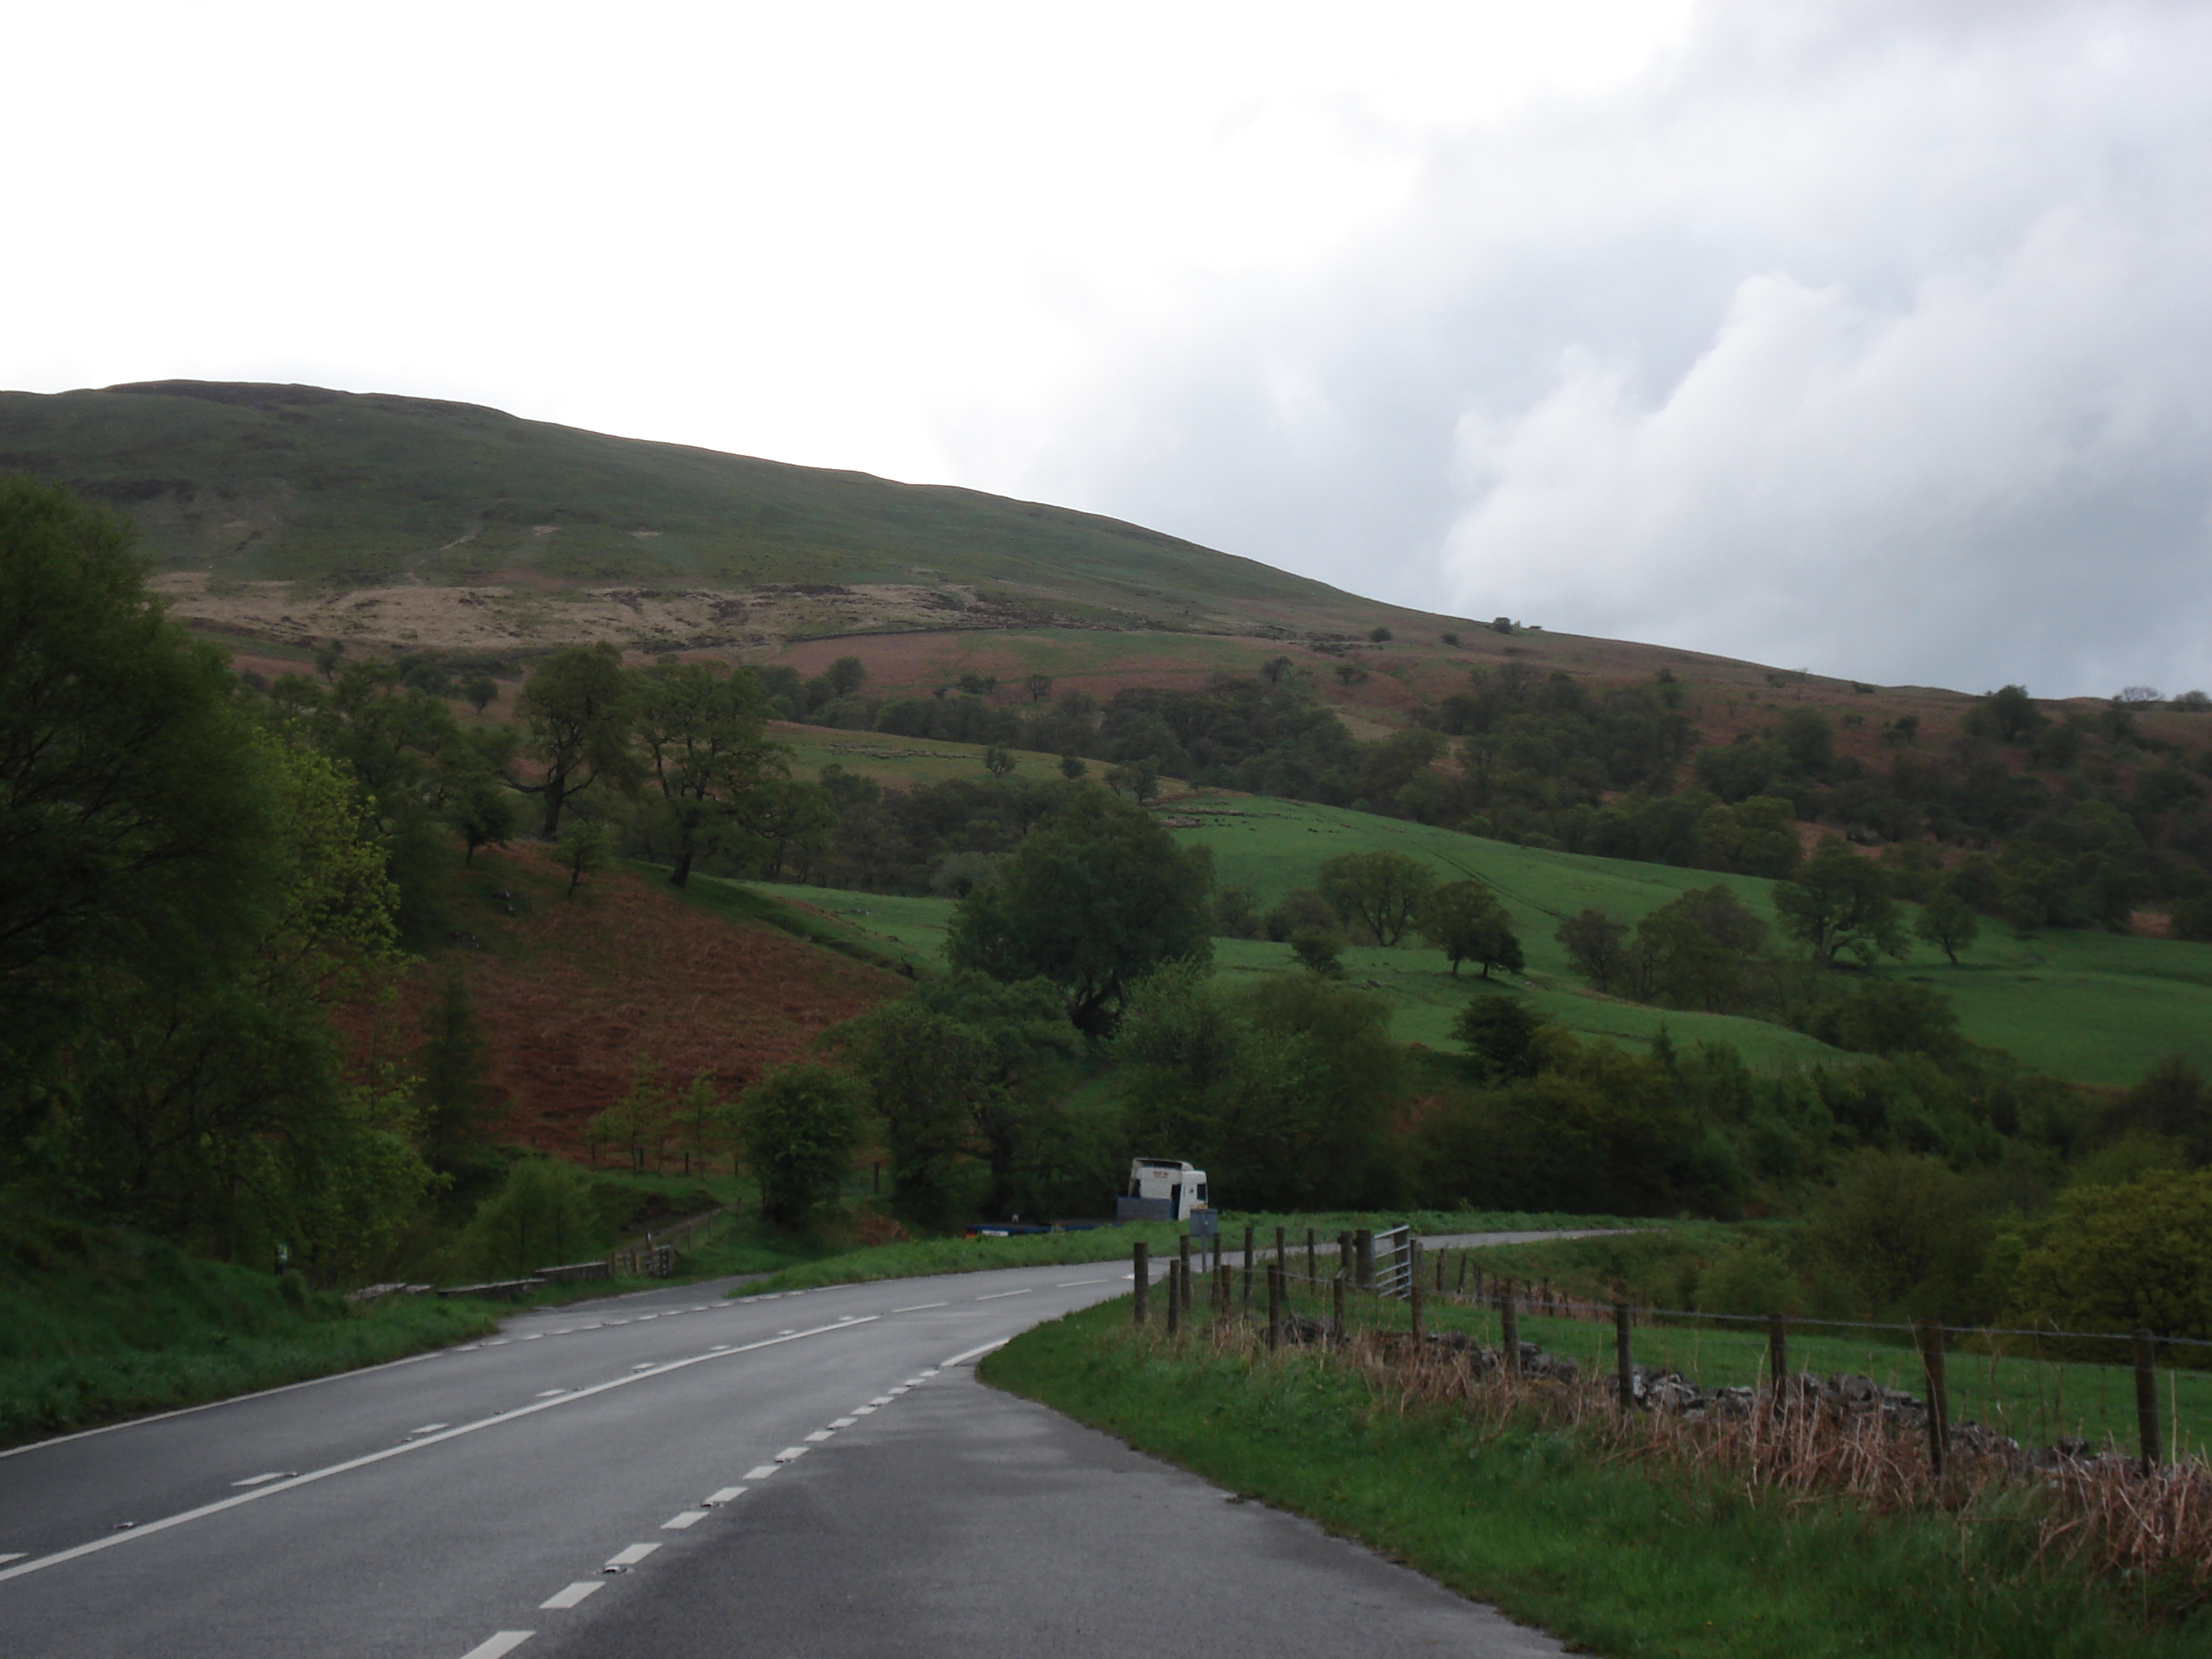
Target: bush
799 1125
543 1216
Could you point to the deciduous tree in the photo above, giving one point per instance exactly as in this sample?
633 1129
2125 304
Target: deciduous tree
580 708
1383 891
1465 921
1839 902
799 1125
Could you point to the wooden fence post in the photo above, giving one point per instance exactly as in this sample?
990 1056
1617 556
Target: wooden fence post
1274 1306
2147 1398
1778 1353
1509 1327
1462 1275
1313 1257
1175 1295
1183 1275
1139 1257
1281 1258
1938 1403
1336 1297
1363 1246
1624 1354
1413 1294
1248 1270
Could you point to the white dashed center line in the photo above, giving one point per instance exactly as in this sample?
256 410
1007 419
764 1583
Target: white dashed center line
818 1436
428 1428
1071 1284
256 1479
922 1307
842 1422
1001 1296
13 1555
548 1394
504 1642
864 1411
762 1473
632 1556
575 1593
791 1454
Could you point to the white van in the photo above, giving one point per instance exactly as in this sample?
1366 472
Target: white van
1181 1187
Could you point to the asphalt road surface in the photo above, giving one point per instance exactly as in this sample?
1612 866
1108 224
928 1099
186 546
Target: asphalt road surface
816 1475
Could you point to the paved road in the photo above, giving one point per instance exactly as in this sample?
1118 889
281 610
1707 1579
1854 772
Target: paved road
816 1474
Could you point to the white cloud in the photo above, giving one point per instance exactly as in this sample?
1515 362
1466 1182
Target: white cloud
1869 338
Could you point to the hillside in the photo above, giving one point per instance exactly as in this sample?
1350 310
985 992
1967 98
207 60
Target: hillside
284 514
573 994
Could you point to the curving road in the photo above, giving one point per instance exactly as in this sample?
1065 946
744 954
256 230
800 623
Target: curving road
816 1474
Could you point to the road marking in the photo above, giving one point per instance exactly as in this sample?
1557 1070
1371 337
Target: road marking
648 1365
880 1399
566 1330
632 1556
575 1593
932 1372
999 1296
974 1353
503 1641
405 1446
547 1393
899 1390
864 1411
922 1307
493 1342
256 1479
842 1422
718 1347
428 1428
820 1435
728 1494
532 1337
791 1454
1070 1284
16 1556
689 1518
762 1472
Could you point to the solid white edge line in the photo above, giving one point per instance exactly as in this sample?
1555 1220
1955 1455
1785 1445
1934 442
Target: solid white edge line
501 1641
571 1594
258 1492
973 1353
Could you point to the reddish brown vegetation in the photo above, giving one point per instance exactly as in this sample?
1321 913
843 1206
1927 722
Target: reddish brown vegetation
571 993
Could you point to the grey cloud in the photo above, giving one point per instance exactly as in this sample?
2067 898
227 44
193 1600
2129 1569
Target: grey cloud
1868 339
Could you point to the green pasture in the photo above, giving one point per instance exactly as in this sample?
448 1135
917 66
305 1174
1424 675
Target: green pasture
2035 1401
902 763
2093 1006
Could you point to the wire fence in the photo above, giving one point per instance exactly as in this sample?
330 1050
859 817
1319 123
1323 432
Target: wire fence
2074 1393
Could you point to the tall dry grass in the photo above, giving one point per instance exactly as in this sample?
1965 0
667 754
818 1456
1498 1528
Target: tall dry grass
2099 1510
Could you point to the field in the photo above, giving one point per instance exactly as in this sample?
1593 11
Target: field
2095 1007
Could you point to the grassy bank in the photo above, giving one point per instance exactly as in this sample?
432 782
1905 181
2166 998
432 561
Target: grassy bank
98 1323
1621 1559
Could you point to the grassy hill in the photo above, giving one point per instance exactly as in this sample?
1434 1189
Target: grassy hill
2095 1007
297 483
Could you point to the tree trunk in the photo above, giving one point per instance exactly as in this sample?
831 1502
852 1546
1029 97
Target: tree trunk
679 874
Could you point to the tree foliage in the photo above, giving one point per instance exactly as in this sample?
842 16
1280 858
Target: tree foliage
1465 921
799 1125
580 708
1840 903
1382 891
1093 901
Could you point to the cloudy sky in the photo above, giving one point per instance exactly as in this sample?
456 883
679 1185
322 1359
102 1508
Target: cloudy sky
1870 338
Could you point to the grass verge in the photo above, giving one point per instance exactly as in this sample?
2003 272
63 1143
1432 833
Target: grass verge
1620 1559
98 1324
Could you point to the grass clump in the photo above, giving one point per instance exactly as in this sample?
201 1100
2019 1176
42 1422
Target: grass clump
1561 1527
